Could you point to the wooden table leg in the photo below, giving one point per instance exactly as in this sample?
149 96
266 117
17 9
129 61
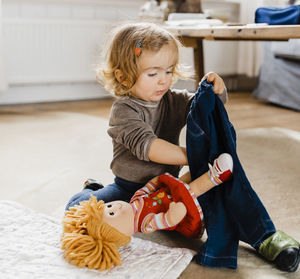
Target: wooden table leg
197 45
199 61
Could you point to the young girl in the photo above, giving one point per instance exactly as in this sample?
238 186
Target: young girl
145 124
146 121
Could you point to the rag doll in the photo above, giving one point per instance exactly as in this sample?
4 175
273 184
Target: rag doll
93 230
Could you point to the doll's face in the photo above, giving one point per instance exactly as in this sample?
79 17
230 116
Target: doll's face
119 215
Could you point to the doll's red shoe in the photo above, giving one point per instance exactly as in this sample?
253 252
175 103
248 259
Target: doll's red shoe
221 169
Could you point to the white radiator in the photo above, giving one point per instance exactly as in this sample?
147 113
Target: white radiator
39 51
3 79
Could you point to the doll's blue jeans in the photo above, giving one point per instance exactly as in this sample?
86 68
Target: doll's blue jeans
232 211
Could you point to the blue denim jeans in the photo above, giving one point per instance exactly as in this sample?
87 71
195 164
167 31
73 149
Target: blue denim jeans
119 190
232 211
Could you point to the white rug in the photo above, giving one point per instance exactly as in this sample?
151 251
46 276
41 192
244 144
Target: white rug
30 248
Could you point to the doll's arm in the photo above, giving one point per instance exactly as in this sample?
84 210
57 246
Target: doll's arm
176 213
186 177
164 220
149 188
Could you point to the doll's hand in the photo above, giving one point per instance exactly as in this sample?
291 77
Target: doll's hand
154 180
176 212
217 81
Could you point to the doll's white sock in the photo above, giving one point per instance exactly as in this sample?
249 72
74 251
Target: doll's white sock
221 169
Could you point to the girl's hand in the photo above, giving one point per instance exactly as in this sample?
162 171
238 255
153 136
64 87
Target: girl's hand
217 81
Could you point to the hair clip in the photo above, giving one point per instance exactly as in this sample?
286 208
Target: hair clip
138 49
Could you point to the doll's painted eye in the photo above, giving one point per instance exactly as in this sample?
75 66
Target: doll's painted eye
111 213
109 205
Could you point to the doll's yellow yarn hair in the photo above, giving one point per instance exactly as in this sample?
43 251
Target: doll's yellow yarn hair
87 240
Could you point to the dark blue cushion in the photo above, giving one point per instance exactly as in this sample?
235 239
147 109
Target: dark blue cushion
278 16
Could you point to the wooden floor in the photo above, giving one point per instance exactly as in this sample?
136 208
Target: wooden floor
48 161
244 111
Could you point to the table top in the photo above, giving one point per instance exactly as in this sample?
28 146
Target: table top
237 32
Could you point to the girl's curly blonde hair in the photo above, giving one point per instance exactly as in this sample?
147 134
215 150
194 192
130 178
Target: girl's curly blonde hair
121 55
87 240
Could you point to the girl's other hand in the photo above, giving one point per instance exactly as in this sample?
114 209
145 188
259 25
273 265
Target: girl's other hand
217 81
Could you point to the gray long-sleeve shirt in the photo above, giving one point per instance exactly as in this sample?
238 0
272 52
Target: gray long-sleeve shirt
135 123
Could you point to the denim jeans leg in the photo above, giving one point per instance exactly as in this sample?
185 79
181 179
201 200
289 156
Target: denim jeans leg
221 246
220 249
119 190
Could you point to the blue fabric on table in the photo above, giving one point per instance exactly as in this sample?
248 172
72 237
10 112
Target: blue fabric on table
278 15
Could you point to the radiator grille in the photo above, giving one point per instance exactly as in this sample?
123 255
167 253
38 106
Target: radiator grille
52 51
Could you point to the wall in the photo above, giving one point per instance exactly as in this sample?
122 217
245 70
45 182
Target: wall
51 47
220 56
3 78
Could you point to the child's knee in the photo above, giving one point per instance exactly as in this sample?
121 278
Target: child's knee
77 198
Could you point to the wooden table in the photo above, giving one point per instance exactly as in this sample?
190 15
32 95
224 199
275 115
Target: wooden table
193 37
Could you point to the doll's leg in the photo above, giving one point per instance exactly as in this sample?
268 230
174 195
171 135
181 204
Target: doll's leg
218 173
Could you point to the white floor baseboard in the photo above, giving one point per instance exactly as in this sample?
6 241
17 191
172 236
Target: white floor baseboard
62 92
52 93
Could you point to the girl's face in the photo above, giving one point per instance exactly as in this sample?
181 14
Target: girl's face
156 72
